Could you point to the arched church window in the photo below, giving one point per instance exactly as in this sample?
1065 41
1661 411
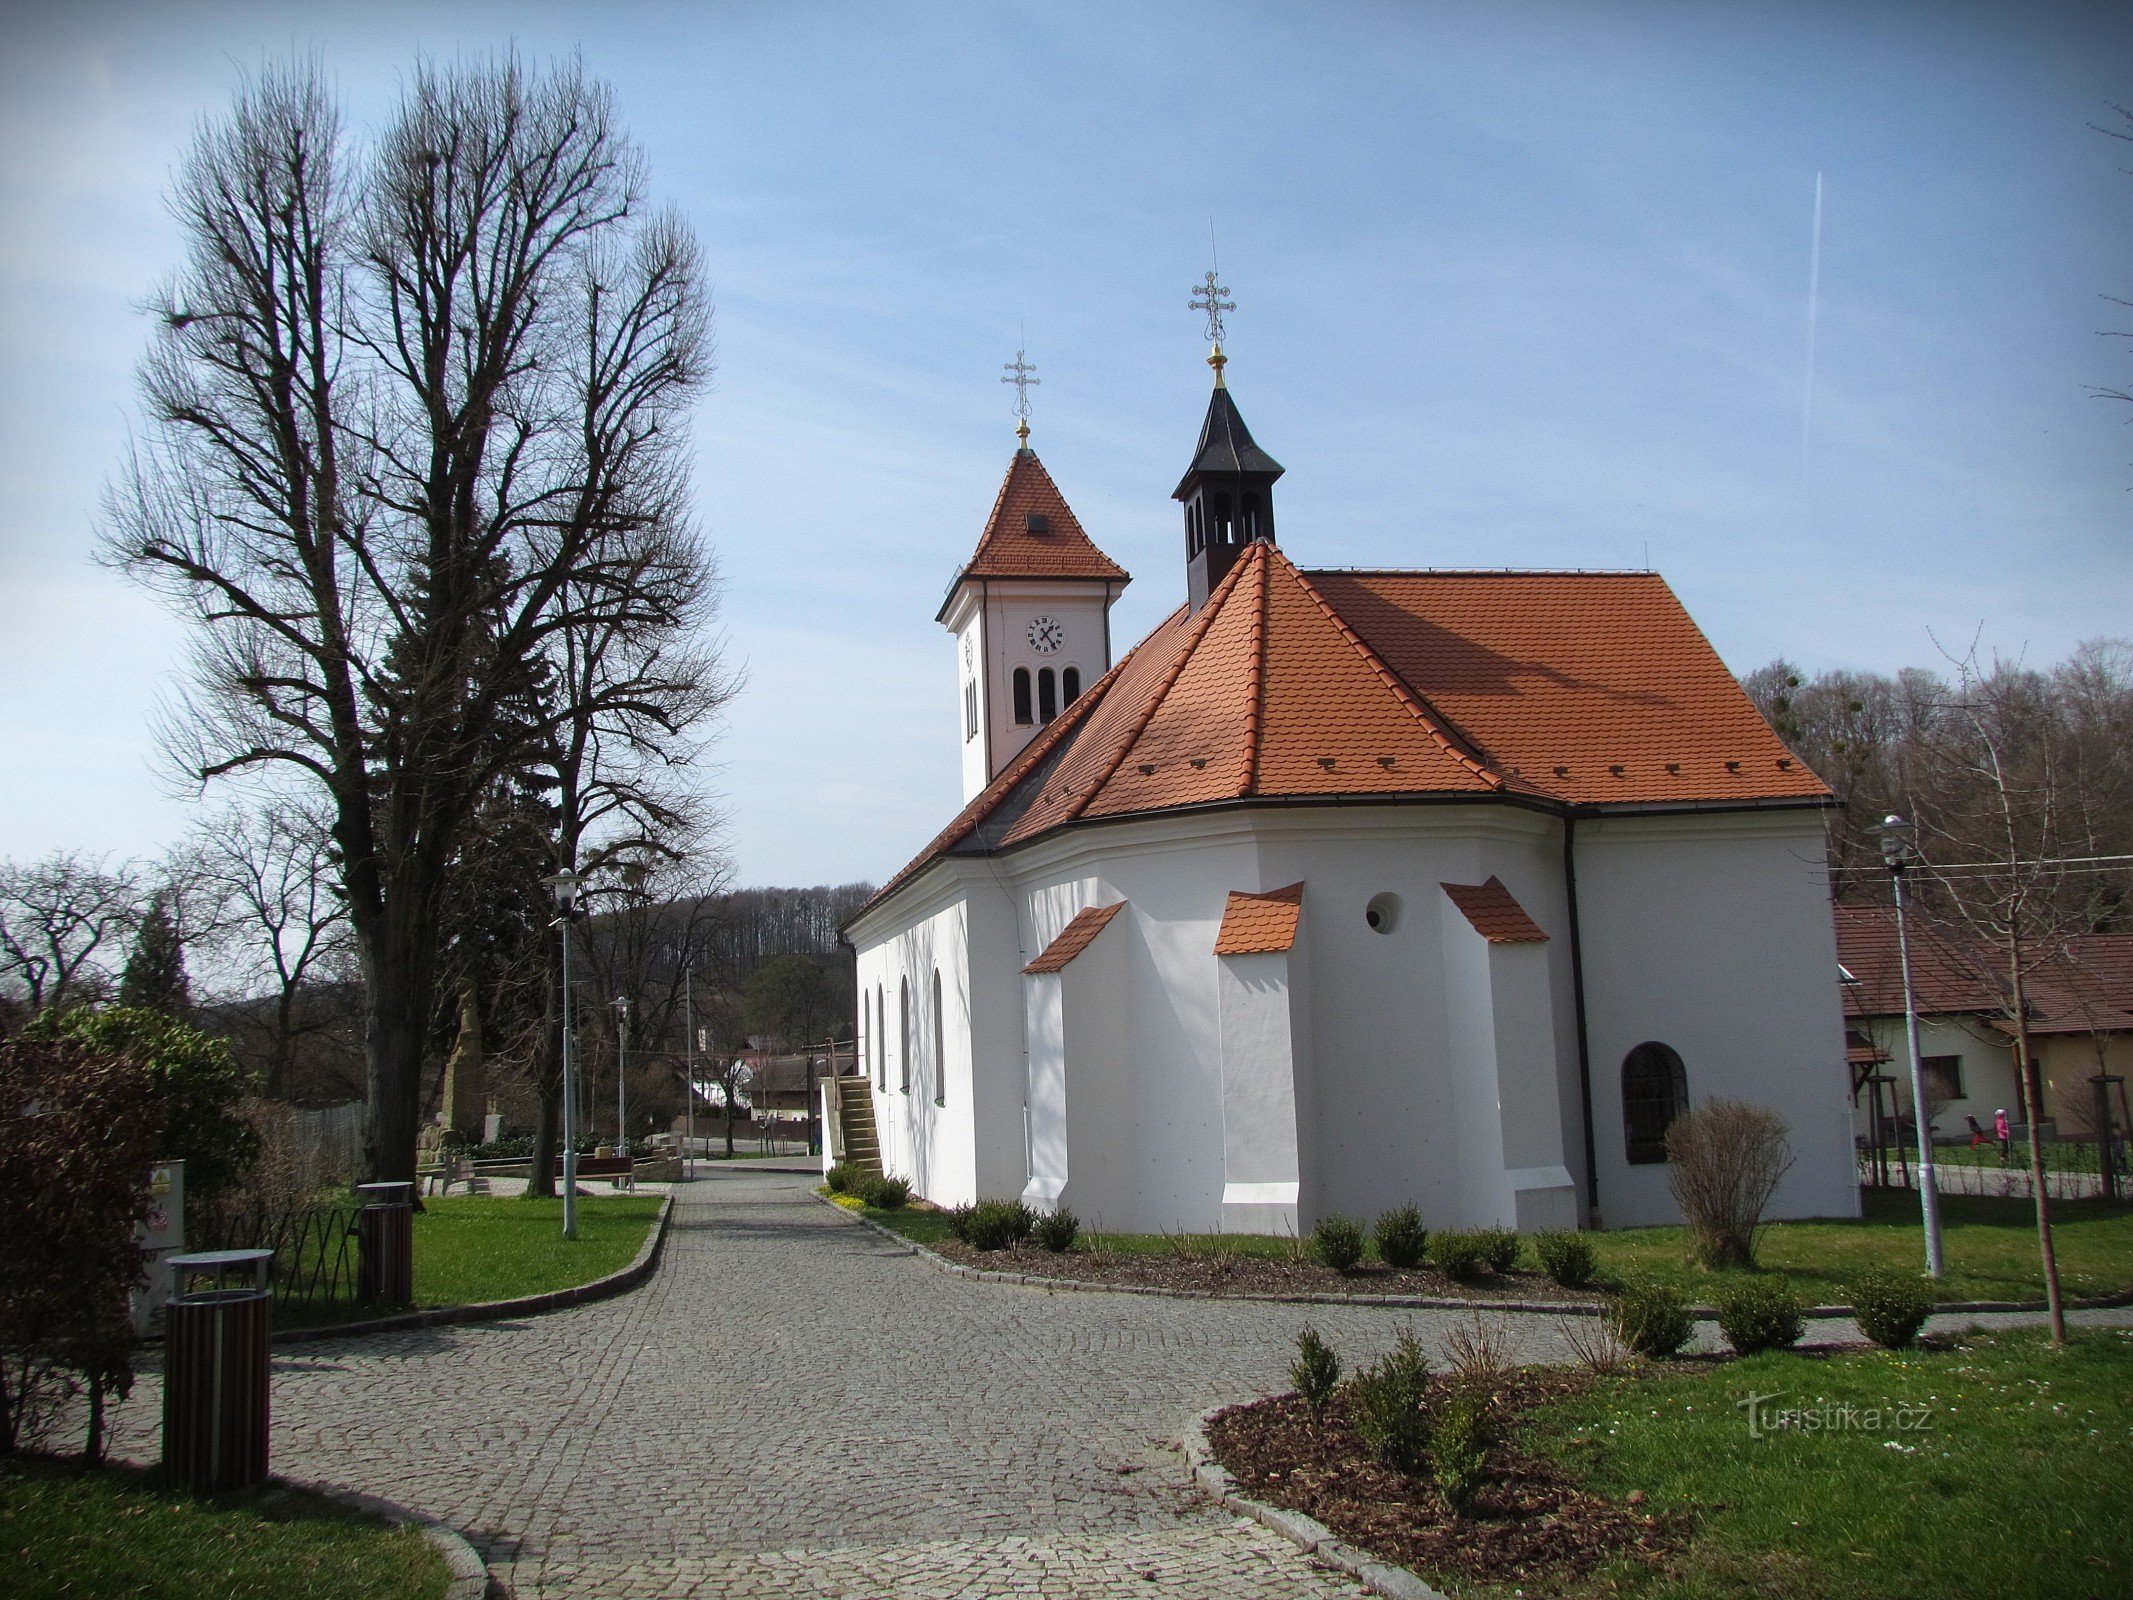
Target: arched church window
1047 695
1069 686
1655 1090
881 1041
1223 535
940 1052
903 1035
1022 696
1248 524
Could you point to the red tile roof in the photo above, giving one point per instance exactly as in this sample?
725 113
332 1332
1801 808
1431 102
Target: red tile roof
1495 914
2085 986
1260 924
1010 548
1568 688
1075 937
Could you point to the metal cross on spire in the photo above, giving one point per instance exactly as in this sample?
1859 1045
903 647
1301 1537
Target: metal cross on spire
1020 374
1207 297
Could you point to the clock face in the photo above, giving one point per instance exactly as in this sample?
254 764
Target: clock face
1045 635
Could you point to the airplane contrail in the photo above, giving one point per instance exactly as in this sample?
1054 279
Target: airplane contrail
1814 312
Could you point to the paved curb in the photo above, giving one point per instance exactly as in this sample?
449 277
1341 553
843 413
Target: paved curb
470 1574
496 1310
1308 1534
1416 1302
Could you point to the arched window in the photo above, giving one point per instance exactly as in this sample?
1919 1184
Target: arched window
970 712
1047 695
881 1041
1655 1090
940 1053
1222 530
1069 687
903 1035
1022 696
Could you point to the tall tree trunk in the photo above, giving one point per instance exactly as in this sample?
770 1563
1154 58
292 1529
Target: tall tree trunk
2032 1085
396 1007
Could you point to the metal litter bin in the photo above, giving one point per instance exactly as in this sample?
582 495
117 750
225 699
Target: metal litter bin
215 1369
385 1235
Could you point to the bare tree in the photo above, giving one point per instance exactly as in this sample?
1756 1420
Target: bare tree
60 921
281 927
412 419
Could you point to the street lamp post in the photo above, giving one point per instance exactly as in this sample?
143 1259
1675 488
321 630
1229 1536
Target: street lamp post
622 1093
688 1076
1897 851
565 886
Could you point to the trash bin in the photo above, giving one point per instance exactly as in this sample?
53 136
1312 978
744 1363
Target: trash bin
215 1369
385 1235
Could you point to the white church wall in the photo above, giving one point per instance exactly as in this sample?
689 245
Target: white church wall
1259 1076
1713 934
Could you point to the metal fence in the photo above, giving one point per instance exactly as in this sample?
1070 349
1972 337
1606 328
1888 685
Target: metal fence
316 1256
2066 1176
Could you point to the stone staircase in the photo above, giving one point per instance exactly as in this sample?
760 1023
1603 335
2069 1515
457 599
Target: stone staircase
855 1115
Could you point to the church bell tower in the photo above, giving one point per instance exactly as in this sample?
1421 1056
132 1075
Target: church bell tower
1228 491
1030 609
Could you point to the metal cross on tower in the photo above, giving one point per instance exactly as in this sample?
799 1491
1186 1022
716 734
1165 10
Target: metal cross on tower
1207 297
1019 373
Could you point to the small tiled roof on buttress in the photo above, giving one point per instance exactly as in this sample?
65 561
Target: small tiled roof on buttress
1260 924
1075 937
1495 913
1056 548
1554 688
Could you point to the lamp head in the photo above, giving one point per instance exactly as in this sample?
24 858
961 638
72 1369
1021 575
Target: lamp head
564 886
1896 836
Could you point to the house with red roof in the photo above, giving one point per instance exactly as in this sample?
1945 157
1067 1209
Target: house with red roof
2079 999
1343 889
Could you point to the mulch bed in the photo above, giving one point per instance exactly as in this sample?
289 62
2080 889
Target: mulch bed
1210 1270
1530 1524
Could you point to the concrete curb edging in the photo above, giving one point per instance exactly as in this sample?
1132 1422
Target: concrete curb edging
1308 1534
1415 1302
646 1262
470 1574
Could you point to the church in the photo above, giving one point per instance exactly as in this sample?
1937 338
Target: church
1342 890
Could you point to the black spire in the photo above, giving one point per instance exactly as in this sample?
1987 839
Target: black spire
1228 493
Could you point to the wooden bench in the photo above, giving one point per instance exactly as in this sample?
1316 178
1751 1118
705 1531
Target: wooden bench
620 1170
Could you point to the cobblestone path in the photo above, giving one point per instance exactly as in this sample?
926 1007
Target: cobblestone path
793 1407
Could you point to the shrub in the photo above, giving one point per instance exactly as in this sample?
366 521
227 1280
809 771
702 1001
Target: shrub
959 1220
998 1224
1337 1242
1056 1230
1725 1159
885 1194
843 1178
1890 1307
1401 1238
191 1087
1316 1371
1459 1450
1762 1313
1501 1247
1389 1402
1566 1257
1479 1352
1459 1253
81 1132
1651 1318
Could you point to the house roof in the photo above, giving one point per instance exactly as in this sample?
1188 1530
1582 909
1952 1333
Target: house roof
1010 547
2086 986
1261 923
1079 933
1557 688
1495 914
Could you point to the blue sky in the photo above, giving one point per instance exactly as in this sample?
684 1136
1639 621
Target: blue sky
1518 285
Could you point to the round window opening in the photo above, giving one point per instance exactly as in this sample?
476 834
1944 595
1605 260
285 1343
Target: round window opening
1383 913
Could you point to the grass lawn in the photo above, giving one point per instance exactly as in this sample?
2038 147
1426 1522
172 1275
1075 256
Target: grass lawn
116 1531
1990 1247
470 1248
2014 1485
